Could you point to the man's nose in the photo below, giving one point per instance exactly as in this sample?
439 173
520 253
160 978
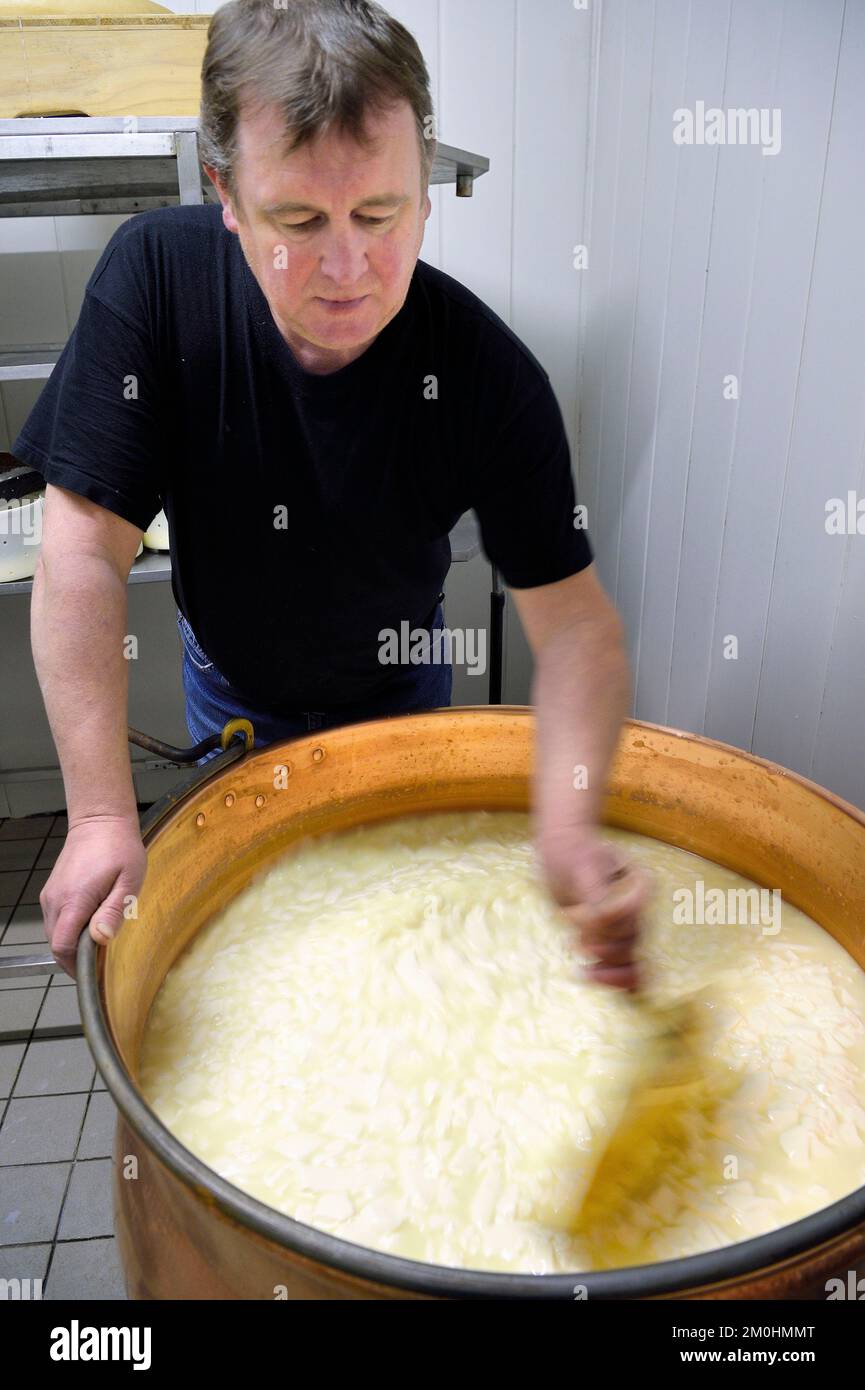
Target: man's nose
344 259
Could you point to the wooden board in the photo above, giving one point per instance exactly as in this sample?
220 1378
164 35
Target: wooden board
101 65
95 8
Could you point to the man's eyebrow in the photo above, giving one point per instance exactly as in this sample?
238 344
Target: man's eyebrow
380 200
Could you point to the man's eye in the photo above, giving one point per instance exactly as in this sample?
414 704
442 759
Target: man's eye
312 222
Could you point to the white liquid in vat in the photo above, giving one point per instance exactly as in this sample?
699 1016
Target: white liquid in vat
387 1037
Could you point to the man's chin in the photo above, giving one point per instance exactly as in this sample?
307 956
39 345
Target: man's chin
346 329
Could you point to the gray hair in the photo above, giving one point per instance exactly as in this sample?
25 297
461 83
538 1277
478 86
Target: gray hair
325 64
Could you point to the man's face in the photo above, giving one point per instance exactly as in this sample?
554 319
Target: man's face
328 223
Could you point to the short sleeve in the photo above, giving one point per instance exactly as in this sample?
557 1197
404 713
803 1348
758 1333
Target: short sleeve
525 499
96 428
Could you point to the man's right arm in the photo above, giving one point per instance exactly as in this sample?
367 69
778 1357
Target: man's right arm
78 624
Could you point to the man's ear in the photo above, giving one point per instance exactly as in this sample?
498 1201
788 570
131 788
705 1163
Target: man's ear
229 217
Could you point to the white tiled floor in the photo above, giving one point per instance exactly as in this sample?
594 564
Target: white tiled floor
56 1118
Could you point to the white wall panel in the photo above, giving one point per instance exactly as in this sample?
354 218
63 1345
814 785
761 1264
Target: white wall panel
708 514
813 647
754 41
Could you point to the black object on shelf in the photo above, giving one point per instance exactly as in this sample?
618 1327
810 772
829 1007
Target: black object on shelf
17 479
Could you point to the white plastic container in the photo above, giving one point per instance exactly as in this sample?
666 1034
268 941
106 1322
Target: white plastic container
156 535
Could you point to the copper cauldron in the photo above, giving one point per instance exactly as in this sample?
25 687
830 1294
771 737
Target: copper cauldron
185 1232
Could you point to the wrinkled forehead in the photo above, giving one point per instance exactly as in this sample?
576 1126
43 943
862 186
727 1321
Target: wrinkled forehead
331 167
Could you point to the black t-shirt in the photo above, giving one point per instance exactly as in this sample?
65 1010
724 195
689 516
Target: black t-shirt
306 512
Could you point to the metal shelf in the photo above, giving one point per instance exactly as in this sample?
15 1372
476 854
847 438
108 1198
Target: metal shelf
57 166
29 364
151 565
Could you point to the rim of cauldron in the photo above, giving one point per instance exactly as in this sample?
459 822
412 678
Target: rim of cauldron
711 1268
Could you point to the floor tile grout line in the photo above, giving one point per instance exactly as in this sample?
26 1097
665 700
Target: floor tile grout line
36 1036
50 1095
67 1240
14 1083
21 1244
64 1199
45 1163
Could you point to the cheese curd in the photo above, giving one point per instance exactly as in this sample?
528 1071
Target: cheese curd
387 1036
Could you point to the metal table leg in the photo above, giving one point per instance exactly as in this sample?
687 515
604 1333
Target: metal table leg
497 637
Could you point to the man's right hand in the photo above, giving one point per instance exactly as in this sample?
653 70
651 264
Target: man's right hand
101 864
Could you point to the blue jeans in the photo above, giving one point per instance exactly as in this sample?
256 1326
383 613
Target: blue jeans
211 701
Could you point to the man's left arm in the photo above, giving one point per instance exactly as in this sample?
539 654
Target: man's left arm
582 694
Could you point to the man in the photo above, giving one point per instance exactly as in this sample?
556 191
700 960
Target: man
314 407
